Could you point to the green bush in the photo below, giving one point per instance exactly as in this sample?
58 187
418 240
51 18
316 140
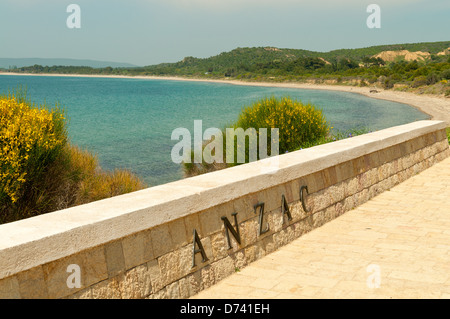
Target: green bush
388 84
419 81
445 74
299 125
432 78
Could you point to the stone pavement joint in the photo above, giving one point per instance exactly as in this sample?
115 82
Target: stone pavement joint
397 245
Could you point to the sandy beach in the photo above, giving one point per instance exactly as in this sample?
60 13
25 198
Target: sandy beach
437 107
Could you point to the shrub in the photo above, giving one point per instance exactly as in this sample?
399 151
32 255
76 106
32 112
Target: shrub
419 81
40 171
93 183
432 78
30 139
298 123
445 74
388 84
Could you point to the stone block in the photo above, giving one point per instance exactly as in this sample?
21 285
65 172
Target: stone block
239 259
115 260
173 291
82 294
344 171
156 278
32 284
170 267
184 288
315 182
243 207
161 240
249 231
178 233
321 200
137 249
336 192
223 268
107 289
135 283
191 222
219 244
250 253
373 159
210 220
359 165
93 265
9 288
329 176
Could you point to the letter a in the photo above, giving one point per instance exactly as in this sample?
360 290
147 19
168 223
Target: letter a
74 20
196 242
374 20
183 146
374 279
74 280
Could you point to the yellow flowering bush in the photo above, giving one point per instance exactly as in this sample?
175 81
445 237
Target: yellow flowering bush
30 137
40 171
299 124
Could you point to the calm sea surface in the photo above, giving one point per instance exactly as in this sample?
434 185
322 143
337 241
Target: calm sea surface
128 122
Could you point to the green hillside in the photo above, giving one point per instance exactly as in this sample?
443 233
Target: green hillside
244 60
430 71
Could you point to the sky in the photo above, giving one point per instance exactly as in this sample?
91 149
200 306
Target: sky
146 32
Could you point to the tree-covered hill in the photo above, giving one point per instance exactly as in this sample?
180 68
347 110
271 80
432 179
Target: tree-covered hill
362 66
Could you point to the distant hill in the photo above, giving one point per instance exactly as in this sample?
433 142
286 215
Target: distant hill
424 66
246 58
6 63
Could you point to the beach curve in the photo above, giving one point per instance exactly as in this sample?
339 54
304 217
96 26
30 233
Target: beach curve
437 107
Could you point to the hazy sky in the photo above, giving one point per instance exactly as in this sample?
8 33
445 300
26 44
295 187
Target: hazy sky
147 32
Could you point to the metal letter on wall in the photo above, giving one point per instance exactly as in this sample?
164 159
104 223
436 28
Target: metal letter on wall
234 232
302 197
197 242
285 208
261 218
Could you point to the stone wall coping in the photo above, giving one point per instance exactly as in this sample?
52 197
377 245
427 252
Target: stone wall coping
38 240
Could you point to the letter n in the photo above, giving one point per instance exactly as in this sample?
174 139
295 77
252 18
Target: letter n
196 242
285 208
234 232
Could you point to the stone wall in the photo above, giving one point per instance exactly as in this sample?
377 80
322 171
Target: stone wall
174 240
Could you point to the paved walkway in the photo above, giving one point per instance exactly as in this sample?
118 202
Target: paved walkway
399 241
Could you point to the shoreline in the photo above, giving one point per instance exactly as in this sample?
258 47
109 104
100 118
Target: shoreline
437 107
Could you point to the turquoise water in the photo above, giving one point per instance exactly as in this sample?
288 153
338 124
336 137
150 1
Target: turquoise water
128 122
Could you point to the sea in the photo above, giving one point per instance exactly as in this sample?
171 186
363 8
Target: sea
128 122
